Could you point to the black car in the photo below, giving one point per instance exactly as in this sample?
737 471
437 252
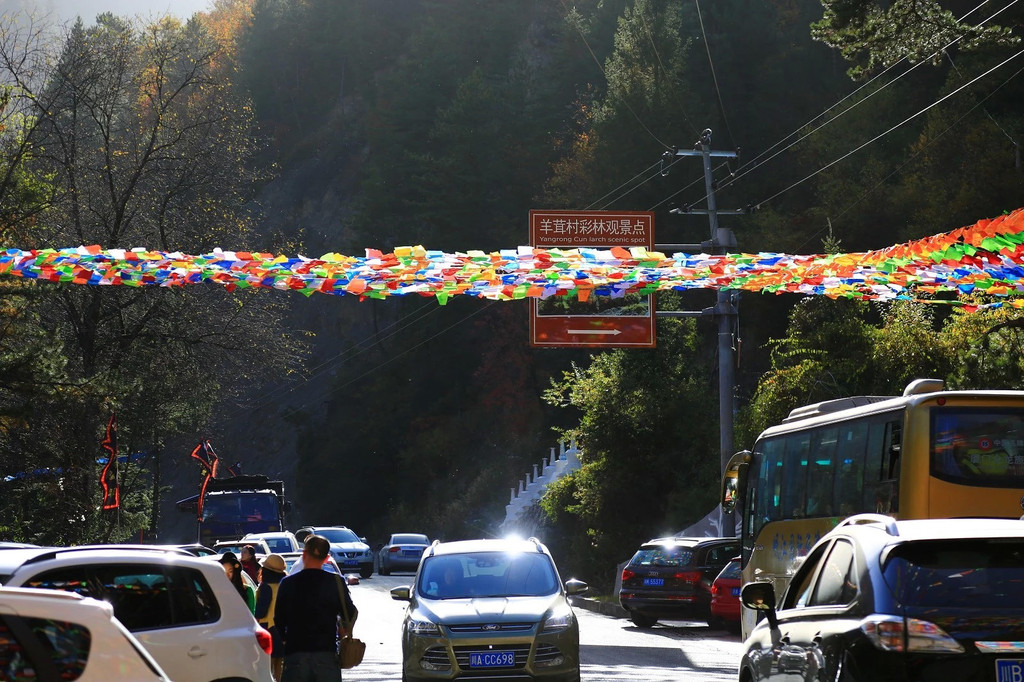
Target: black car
670 578
879 599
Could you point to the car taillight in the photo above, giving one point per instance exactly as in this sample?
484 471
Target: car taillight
688 576
892 633
627 574
263 639
394 550
715 589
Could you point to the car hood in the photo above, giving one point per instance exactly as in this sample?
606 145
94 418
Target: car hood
349 547
490 609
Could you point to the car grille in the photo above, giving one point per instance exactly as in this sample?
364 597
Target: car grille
492 627
349 555
522 652
438 656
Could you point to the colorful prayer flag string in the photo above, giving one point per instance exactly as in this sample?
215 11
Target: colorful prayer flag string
985 258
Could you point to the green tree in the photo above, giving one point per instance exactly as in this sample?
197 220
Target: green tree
650 450
145 138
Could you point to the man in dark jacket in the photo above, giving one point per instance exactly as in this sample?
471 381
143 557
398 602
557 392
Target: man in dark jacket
309 606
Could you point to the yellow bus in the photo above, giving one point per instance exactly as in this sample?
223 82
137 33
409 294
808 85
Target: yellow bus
929 453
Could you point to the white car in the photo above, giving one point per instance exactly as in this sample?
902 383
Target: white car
278 542
347 548
55 635
236 546
181 608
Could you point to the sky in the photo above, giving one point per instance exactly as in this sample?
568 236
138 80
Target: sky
66 10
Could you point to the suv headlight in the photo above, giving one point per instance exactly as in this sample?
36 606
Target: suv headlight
561 617
423 627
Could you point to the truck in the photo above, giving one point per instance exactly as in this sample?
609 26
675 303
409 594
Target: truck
233 507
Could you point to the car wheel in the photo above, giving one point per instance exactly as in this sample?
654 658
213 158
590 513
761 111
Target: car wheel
642 621
384 571
716 623
733 627
365 570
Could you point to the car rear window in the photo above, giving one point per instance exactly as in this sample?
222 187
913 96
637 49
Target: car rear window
977 573
66 645
409 540
663 555
732 570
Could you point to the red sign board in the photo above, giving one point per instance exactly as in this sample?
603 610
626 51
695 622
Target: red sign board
600 230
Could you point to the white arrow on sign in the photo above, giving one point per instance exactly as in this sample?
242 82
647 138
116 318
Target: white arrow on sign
594 331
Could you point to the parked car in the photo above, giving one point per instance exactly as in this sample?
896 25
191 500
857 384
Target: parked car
56 635
291 562
236 546
197 549
725 597
277 542
401 553
883 600
670 578
181 608
489 609
348 549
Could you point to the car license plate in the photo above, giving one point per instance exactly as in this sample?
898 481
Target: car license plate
350 562
1010 670
411 552
654 582
492 659
735 591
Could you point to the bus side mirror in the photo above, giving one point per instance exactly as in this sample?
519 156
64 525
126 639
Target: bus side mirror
760 596
734 480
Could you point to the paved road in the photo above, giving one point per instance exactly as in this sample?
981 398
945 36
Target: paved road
611 649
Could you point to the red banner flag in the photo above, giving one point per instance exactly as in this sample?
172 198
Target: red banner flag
109 479
205 455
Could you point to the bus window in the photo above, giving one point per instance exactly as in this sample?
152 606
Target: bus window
765 496
794 470
849 495
821 468
882 472
978 446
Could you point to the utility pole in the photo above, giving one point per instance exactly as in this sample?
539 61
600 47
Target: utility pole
725 309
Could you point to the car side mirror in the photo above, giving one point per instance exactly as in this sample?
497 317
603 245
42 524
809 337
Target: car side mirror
403 593
574 586
760 596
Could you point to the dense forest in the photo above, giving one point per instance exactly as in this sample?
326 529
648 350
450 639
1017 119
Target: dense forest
315 126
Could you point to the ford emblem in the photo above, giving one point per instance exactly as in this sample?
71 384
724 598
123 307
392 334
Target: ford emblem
490 627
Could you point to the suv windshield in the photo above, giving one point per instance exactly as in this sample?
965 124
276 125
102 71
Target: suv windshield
338 535
486 574
663 555
976 573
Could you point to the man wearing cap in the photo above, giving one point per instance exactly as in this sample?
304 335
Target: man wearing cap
307 612
272 570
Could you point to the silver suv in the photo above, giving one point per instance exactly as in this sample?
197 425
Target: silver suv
182 609
489 609
348 549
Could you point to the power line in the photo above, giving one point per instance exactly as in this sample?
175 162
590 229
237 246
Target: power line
714 76
753 164
913 156
906 120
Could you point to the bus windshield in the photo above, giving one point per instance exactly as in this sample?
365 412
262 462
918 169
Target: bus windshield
978 446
